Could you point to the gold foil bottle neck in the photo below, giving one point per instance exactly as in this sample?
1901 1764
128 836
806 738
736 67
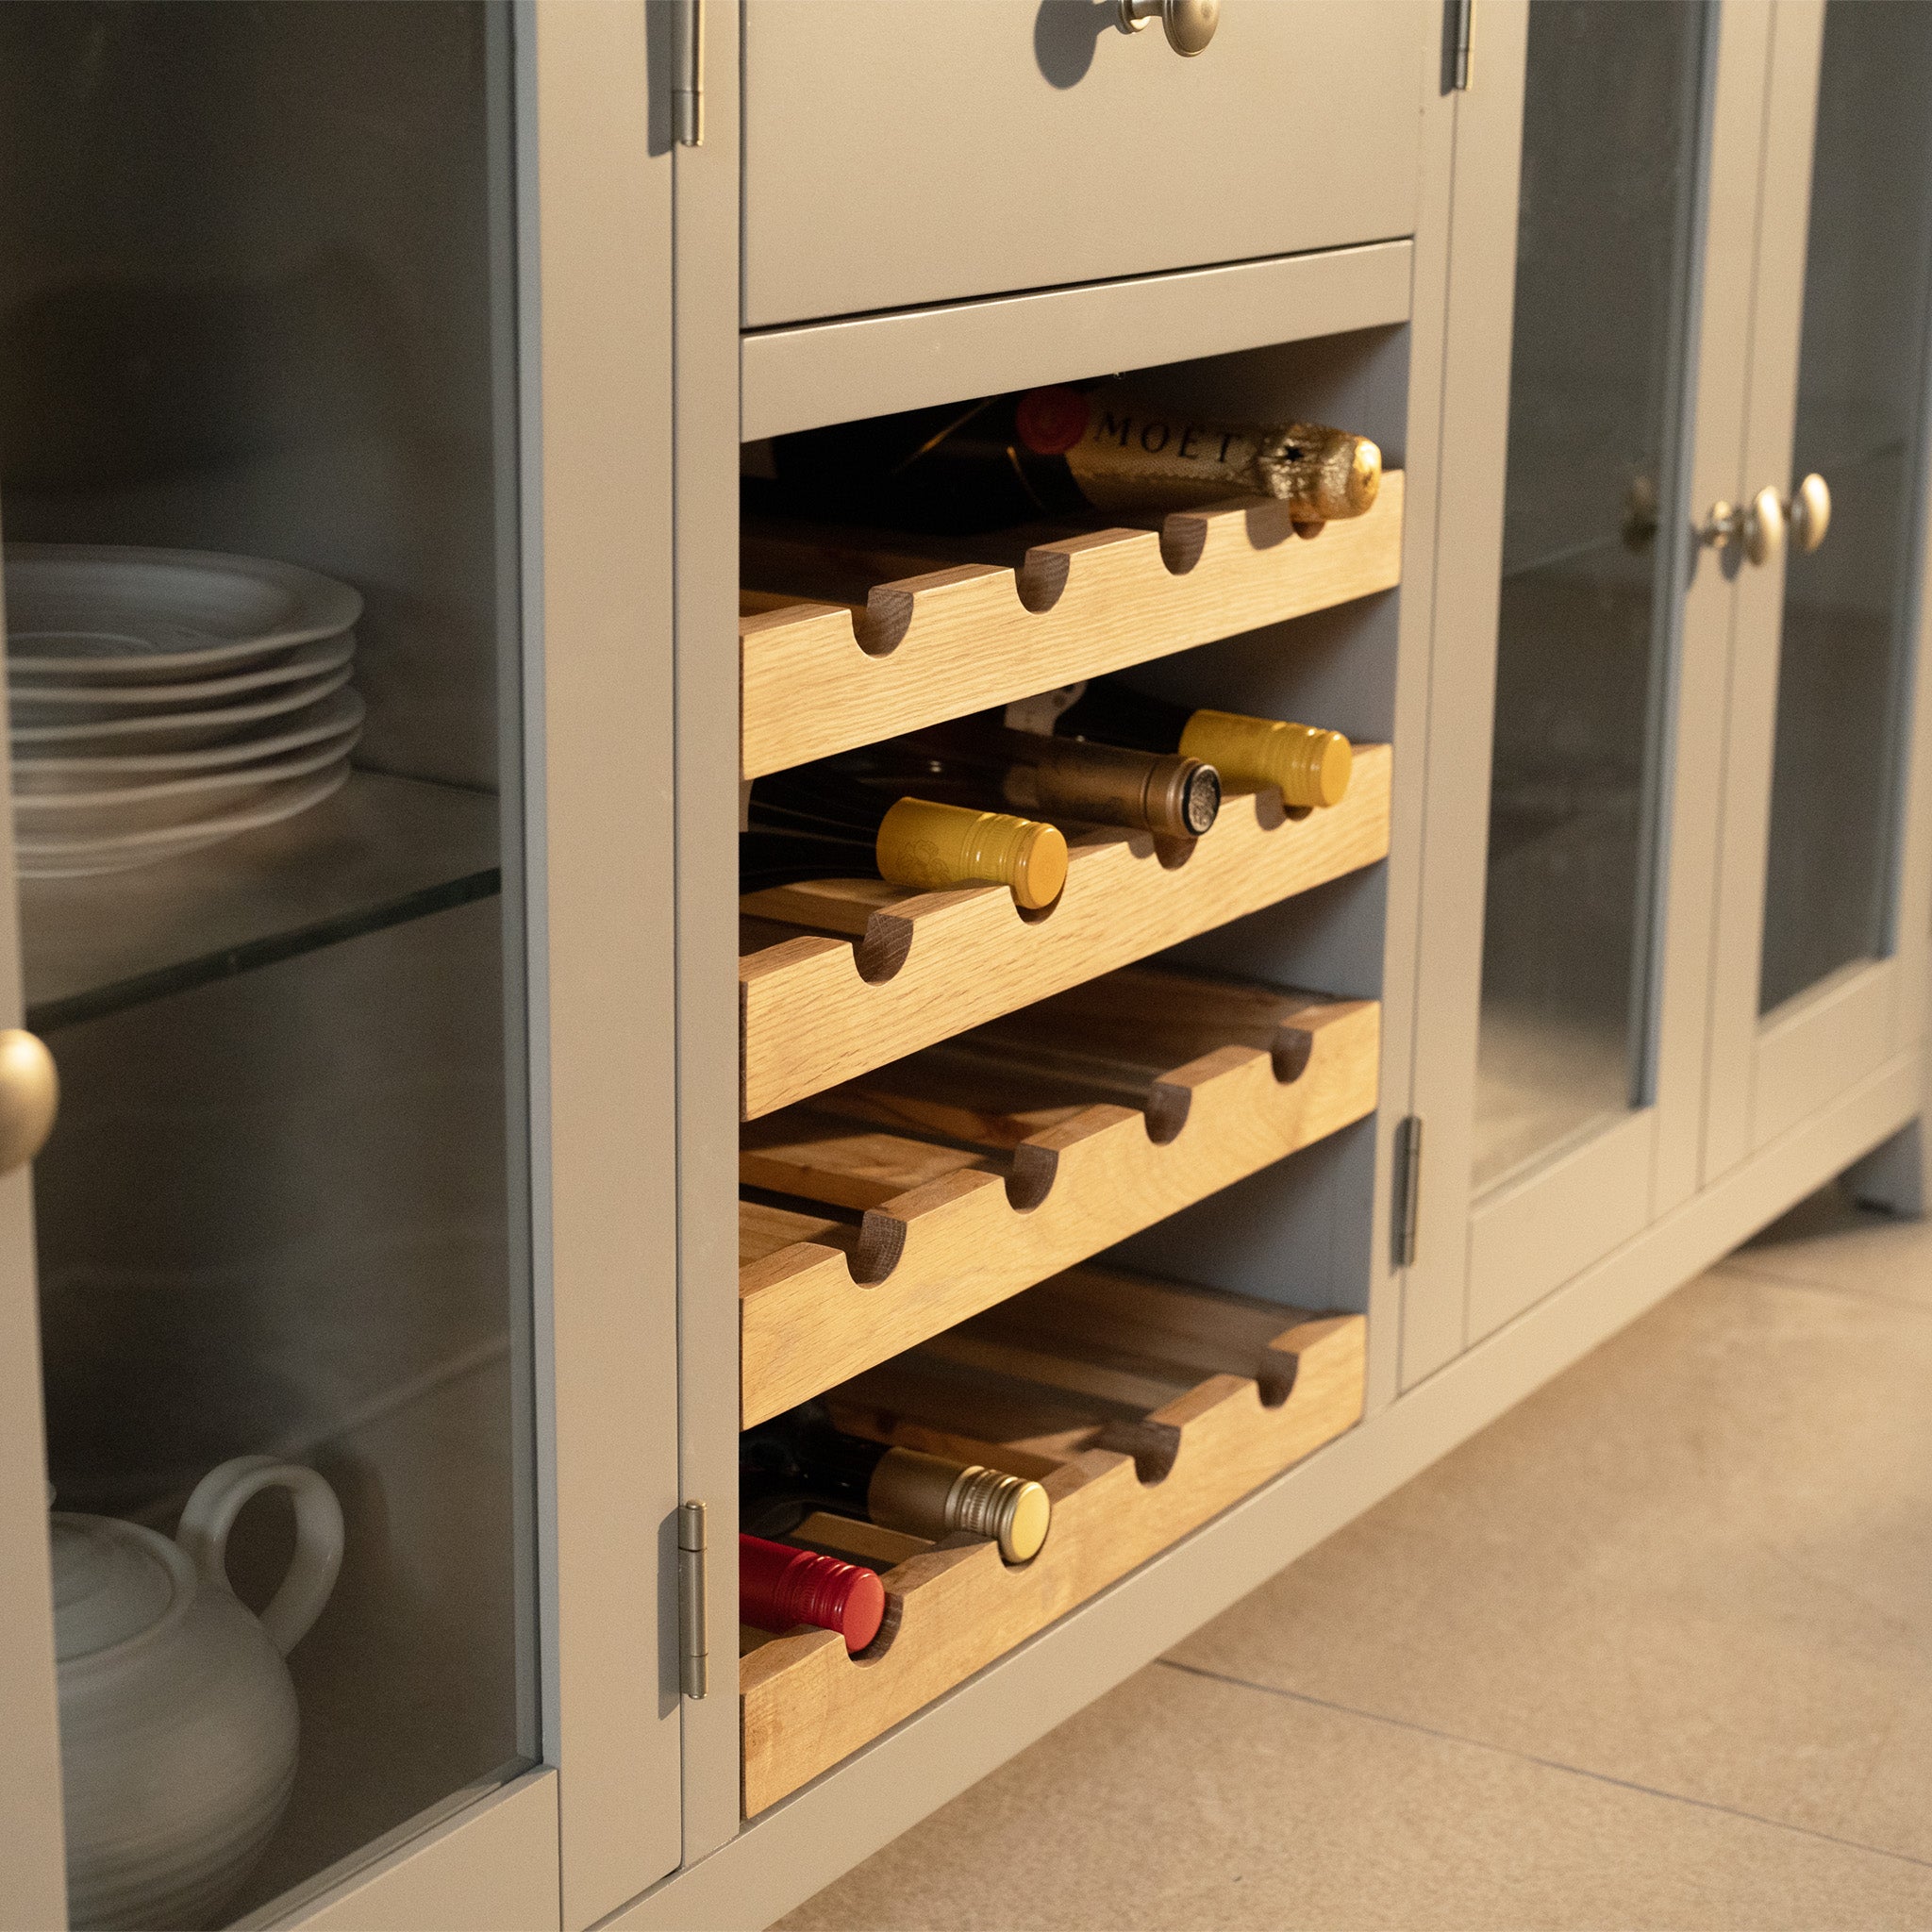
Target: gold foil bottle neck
1308 765
1137 455
926 1495
1322 475
933 847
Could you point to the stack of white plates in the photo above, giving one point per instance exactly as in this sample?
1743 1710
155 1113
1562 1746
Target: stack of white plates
163 700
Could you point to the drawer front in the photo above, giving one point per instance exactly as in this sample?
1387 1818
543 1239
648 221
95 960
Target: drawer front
912 151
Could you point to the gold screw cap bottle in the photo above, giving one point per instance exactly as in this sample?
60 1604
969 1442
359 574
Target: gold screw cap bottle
926 1495
1311 767
936 846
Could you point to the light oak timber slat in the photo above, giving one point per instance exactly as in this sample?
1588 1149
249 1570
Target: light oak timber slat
818 1009
819 678
951 1611
812 1315
763 1230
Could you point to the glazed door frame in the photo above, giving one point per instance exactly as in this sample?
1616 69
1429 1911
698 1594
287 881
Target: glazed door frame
598 1817
1483 1256
1767 1074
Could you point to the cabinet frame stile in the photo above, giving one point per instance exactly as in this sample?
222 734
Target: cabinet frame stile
702 1134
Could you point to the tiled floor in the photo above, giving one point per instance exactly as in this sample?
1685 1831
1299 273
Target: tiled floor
1654 1650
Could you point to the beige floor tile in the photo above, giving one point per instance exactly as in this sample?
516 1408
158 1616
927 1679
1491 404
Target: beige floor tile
1700 1561
1831 1240
1183 1802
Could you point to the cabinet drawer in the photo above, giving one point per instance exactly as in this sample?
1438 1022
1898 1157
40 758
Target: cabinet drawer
899 153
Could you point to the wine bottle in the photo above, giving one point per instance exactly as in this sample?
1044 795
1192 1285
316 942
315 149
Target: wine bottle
1057 452
802 1458
779 1587
979 762
1308 765
813 823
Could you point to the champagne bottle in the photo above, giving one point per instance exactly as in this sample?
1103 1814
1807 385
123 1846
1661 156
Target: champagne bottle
1058 453
800 1458
779 1587
978 763
1310 766
812 822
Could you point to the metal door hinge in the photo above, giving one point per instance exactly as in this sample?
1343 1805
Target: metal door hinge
693 1645
1408 1189
1456 26
688 73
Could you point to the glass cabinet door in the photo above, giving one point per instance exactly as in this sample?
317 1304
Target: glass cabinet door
259 462
1828 631
1589 571
1563 1096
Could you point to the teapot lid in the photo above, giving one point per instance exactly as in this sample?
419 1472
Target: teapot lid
111 1581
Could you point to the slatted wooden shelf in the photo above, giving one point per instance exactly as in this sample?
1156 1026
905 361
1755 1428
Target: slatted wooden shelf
821 677
1145 1408
1033 1173
882 972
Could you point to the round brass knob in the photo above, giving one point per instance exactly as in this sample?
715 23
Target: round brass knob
1764 526
1188 23
29 1097
1810 512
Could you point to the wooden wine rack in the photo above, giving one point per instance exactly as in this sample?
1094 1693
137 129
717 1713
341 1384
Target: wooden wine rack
816 1007
820 677
951 1229
1145 1407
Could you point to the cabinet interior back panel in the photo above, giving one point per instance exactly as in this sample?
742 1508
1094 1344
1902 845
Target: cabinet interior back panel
898 154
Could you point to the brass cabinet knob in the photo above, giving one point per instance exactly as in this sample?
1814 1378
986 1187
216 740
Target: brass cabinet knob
1764 526
1188 23
29 1097
1759 527
1808 512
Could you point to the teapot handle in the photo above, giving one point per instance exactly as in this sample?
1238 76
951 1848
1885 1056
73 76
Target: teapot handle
210 1514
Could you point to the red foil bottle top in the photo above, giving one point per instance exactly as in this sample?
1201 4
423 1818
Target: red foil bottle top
1051 421
779 1587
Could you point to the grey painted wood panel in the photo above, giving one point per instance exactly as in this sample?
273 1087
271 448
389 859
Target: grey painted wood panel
831 372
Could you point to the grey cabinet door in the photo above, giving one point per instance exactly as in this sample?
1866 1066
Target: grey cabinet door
1564 1000
1821 970
907 151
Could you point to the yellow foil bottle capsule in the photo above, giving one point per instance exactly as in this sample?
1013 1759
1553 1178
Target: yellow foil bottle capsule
1310 766
933 847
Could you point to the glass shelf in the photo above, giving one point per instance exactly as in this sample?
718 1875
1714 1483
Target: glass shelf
382 851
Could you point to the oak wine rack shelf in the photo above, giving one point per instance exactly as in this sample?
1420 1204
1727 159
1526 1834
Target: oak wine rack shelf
819 677
1145 1408
880 972
958 1194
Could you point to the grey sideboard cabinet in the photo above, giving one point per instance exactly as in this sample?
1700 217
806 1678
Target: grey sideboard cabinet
435 1148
